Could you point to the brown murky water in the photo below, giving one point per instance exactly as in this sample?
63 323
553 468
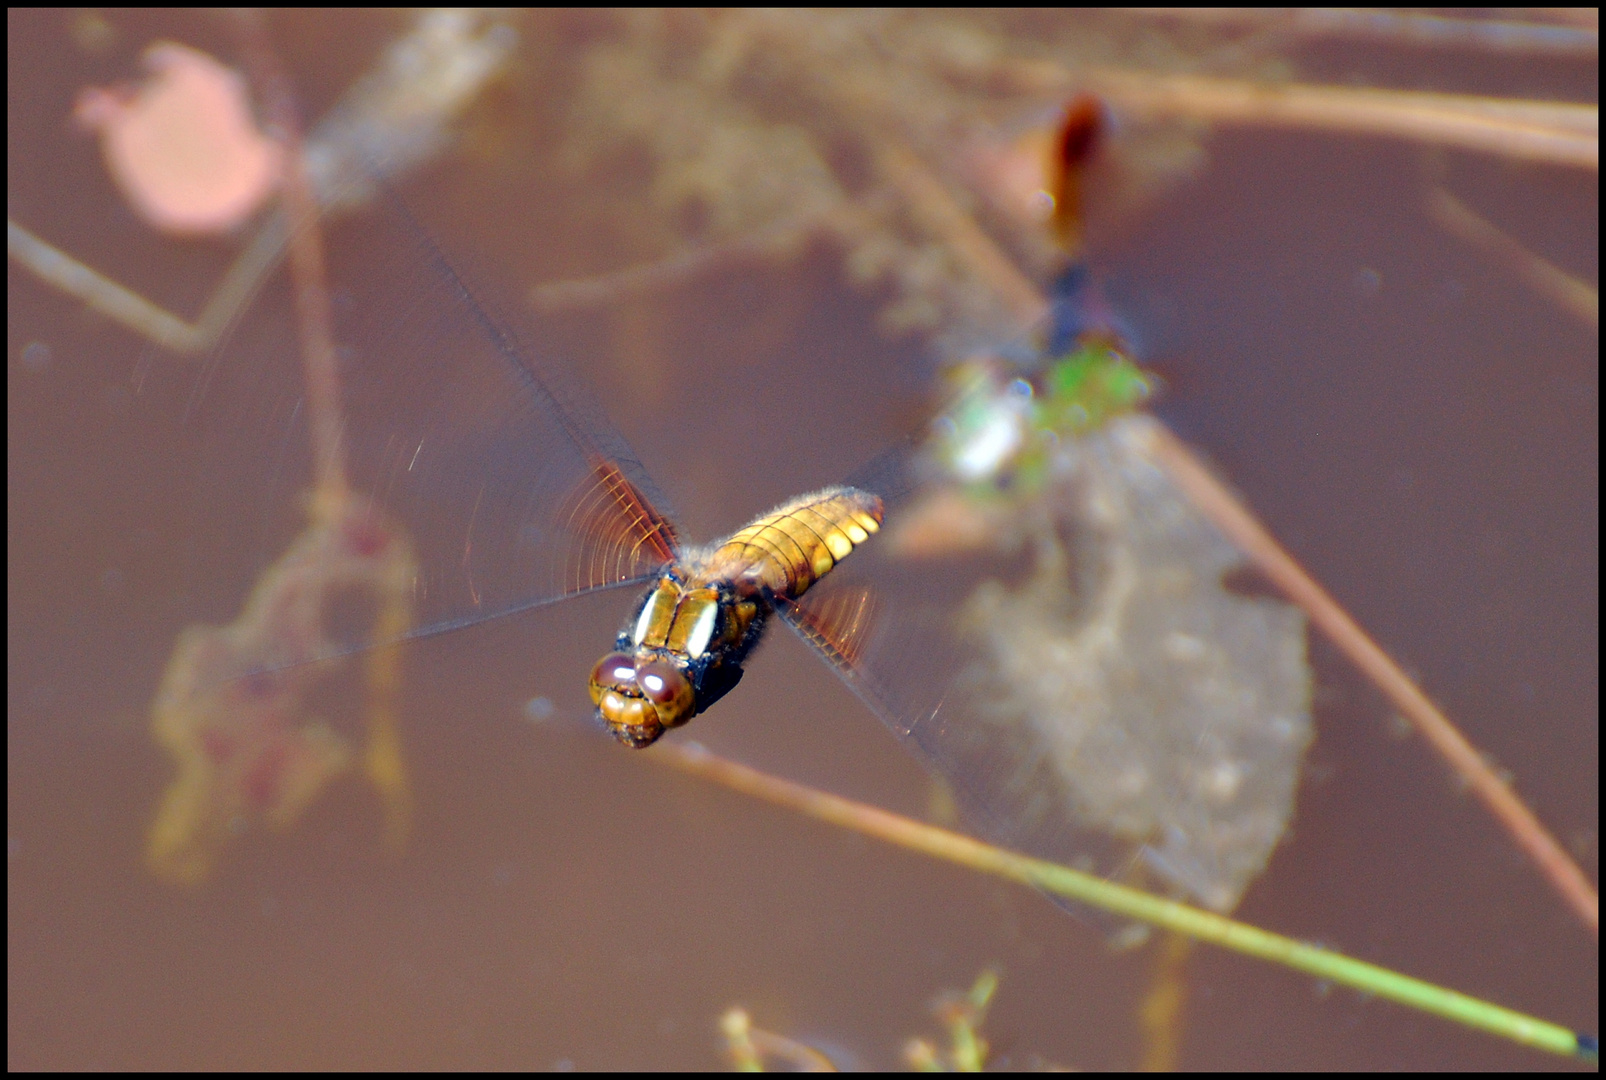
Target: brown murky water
1415 424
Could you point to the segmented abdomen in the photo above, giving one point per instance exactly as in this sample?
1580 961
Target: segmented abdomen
793 546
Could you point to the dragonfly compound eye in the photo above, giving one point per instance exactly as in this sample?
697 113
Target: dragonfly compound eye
666 687
615 672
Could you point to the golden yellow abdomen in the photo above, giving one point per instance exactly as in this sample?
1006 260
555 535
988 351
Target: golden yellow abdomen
793 546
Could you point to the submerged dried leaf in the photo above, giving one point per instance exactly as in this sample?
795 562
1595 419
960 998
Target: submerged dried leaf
1170 713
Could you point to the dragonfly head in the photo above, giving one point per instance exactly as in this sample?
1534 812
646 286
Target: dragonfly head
641 695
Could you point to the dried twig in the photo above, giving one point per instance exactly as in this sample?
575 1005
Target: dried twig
1236 522
1577 298
1559 133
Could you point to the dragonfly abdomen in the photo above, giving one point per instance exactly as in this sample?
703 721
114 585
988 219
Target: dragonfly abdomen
795 545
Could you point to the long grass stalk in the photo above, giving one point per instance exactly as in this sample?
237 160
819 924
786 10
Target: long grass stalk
1131 903
1553 132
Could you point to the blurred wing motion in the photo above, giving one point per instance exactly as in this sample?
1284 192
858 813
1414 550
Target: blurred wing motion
466 487
836 622
513 489
1074 665
615 534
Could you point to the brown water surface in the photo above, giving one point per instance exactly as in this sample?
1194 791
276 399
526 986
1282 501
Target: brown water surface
1415 424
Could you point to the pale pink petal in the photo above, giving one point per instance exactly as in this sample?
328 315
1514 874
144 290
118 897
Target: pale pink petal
183 145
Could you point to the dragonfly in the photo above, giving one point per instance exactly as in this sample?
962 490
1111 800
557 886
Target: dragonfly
1125 712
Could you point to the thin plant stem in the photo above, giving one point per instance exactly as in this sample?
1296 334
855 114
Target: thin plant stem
751 1047
1558 133
150 320
1129 903
1574 296
1554 132
1160 1017
1244 530
308 280
1407 29
935 210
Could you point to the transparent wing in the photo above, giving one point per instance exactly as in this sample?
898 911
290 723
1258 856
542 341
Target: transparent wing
508 488
1073 662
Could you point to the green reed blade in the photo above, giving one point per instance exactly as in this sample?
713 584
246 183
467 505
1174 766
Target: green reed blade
1136 904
